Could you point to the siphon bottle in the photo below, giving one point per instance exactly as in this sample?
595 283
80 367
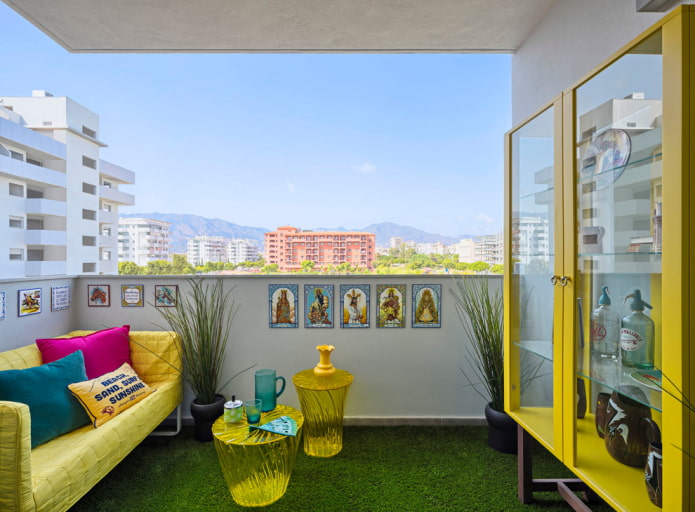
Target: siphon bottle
605 328
637 335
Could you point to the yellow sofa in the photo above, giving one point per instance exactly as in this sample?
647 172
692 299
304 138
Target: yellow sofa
55 475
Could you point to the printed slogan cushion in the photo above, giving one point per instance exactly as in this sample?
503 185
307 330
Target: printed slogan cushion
53 410
109 395
104 351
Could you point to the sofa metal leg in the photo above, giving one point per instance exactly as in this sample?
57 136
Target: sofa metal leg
158 433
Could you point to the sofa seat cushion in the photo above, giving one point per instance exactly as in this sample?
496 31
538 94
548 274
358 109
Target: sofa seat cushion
44 389
67 467
104 351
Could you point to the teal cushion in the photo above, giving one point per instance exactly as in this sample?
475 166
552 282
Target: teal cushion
44 389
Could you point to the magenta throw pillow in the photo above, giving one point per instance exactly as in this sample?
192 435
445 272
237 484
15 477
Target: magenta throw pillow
104 351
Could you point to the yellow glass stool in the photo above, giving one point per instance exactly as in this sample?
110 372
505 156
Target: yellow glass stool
257 464
322 392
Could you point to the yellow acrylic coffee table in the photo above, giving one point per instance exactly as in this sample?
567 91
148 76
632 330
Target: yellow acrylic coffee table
257 464
322 392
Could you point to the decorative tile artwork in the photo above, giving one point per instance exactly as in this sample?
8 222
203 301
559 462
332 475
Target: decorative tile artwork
427 305
29 302
318 305
354 305
60 297
98 295
3 305
282 305
390 305
132 295
166 295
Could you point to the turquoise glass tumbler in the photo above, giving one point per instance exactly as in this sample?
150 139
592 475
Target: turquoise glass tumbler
253 411
266 388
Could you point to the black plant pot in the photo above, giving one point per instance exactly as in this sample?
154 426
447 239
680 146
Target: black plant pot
501 430
204 415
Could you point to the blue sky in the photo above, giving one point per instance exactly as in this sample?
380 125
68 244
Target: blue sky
306 140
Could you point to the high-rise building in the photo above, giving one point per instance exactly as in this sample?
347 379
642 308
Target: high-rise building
288 247
207 249
239 250
143 240
490 249
59 197
465 248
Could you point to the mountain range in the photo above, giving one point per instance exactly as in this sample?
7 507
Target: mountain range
185 226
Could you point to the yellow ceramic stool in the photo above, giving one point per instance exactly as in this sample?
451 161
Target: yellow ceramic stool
322 392
257 464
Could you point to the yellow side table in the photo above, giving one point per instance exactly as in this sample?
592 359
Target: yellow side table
257 464
322 392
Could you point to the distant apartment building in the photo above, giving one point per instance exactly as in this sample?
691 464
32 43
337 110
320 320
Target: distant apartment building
395 242
288 247
465 249
207 249
240 250
143 240
59 198
531 239
490 249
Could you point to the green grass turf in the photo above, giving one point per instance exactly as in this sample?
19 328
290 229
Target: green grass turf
405 468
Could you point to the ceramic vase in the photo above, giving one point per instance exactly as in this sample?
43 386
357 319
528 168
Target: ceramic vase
629 427
204 415
653 473
601 405
324 368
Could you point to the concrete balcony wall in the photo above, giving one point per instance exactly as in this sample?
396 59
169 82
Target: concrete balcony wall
46 268
31 173
116 172
116 196
45 237
409 375
46 207
35 142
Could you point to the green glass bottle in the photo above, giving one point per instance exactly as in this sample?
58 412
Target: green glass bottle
637 335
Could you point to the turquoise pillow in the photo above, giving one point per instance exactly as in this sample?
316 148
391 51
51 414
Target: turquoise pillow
54 411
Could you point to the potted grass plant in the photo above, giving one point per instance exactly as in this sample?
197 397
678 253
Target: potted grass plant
481 312
202 319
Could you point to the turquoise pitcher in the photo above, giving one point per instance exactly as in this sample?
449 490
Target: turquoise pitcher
266 388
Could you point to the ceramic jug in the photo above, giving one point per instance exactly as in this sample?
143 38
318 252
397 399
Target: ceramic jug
601 409
266 388
653 475
629 427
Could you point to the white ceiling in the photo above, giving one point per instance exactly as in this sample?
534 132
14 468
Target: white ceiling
285 25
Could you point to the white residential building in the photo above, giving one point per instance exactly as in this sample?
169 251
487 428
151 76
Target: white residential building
465 249
204 249
239 250
59 197
143 240
490 249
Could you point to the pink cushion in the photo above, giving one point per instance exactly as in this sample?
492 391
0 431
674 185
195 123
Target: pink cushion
104 351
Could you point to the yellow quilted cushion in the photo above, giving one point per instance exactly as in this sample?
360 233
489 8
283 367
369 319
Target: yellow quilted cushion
107 396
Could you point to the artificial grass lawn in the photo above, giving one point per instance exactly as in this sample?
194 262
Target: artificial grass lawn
405 468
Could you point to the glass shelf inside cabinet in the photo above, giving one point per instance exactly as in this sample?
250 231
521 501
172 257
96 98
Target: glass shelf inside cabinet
644 386
541 348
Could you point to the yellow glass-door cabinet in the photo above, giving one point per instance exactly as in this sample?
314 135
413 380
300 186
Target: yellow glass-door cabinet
600 232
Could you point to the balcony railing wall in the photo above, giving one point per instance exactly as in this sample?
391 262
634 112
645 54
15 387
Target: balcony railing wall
401 375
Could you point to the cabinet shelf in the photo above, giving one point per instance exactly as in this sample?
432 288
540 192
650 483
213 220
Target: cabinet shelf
615 377
541 348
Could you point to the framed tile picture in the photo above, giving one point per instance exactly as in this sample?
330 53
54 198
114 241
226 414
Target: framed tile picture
427 305
132 295
60 298
98 295
390 305
318 305
282 305
3 305
166 295
29 302
354 306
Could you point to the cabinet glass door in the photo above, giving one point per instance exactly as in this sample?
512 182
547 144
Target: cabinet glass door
618 200
533 191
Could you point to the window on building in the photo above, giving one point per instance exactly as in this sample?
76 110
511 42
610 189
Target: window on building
16 155
16 222
34 223
16 190
34 162
34 194
89 188
89 267
16 254
89 162
106 183
89 132
89 241
89 214
35 255
106 256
